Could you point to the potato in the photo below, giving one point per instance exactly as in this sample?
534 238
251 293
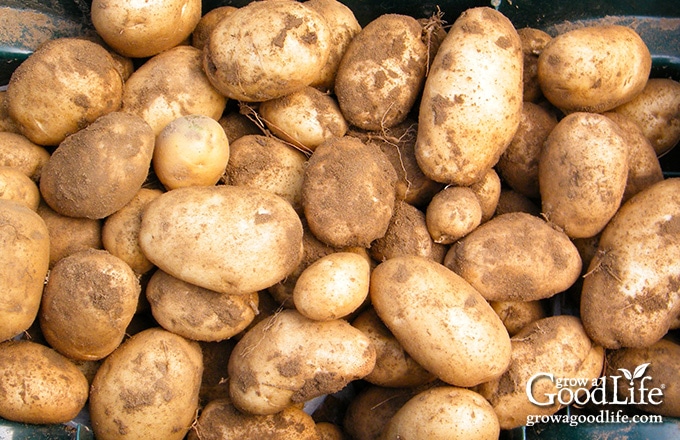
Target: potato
518 314
472 99
66 84
265 50
39 386
169 85
7 124
453 213
16 185
329 431
444 412
393 366
24 262
147 388
267 163
488 191
192 150
215 359
87 304
594 68
333 286
533 42
557 346
582 173
371 410
289 359
512 201
205 26
18 152
516 257
229 239
657 110
220 419
304 118
629 296
440 320
120 231
237 124
144 30
348 192
197 313
98 170
381 72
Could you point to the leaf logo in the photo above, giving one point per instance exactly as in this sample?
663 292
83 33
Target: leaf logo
637 373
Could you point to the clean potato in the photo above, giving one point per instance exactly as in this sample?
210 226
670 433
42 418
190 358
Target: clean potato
17 151
16 185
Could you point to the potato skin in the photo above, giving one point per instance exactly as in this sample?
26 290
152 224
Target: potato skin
17 186
472 99
17 151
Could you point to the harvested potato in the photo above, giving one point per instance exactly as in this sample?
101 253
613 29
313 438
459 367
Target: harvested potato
582 173
304 118
512 201
66 84
265 50
16 185
381 73
472 99
7 124
289 359
629 296
98 170
454 212
533 42
440 320
230 239
170 85
444 412
192 150
488 191
516 257
18 152
141 30
329 431
147 388
197 313
237 124
594 68
24 262
371 410
267 163
518 314
208 21
87 304
348 192
39 386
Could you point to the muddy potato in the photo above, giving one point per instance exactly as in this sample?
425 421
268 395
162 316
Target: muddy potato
169 85
488 191
39 385
289 359
66 84
472 99
98 170
147 388
440 320
7 124
512 201
304 118
629 296
533 42
197 313
24 262
69 235
444 412
516 257
191 150
453 213
201 33
518 314
237 124
594 68
582 173
267 163
17 151
141 30
230 239
265 50
381 72
16 185
372 408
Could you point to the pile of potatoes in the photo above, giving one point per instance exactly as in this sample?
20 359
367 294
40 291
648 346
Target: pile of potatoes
272 222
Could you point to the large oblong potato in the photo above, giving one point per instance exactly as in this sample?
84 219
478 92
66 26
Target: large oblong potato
230 239
472 99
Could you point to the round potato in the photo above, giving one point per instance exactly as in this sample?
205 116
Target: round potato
18 152
16 185
488 191
141 30
454 212
39 385
66 84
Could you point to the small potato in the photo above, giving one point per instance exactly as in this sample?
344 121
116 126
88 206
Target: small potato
39 386
66 84
381 73
197 313
141 30
147 388
329 431
533 42
17 186
205 26
333 286
18 152
444 412
371 410
24 262
518 314
453 213
192 150
304 118
488 190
